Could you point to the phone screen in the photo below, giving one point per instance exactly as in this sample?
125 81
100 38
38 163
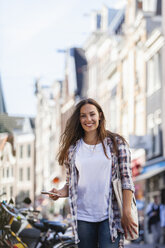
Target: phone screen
49 193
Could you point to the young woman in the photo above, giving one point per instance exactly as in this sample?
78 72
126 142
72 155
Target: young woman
91 155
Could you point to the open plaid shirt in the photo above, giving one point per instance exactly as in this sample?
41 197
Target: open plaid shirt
124 162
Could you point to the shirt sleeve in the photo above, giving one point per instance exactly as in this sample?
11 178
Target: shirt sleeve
67 171
124 160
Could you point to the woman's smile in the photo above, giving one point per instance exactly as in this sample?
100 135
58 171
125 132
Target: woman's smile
89 117
89 125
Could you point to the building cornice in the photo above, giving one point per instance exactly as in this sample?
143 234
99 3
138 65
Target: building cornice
153 44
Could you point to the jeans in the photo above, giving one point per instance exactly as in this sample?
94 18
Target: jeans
156 232
95 234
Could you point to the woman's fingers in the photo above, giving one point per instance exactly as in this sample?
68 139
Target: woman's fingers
54 190
130 231
125 232
54 197
134 224
129 227
135 231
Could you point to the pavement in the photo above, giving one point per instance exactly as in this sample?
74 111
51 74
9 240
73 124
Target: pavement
131 245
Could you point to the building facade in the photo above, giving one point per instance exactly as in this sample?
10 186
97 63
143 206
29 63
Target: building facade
7 168
48 129
17 158
125 76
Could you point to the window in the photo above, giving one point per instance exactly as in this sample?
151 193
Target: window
4 190
11 191
150 81
7 172
21 151
139 4
150 121
157 116
158 71
28 173
149 5
139 111
21 174
154 74
154 128
154 119
157 140
150 131
29 150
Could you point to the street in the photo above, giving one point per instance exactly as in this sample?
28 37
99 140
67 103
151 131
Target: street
142 246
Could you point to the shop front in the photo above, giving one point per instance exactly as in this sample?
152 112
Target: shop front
150 183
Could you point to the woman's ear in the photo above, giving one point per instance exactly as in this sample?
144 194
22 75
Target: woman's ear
100 115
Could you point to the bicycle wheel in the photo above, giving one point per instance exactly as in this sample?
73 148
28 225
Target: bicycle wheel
66 245
70 246
18 245
7 244
12 242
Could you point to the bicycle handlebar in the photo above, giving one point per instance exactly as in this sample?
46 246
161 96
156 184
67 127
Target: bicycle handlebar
7 210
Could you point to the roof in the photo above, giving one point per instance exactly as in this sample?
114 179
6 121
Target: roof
80 65
117 22
12 124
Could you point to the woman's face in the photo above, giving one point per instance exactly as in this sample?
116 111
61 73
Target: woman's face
89 117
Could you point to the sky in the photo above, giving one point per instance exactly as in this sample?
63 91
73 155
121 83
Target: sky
31 32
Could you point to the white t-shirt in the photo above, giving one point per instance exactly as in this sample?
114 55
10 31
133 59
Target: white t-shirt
94 182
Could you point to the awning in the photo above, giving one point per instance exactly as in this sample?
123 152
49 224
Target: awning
150 171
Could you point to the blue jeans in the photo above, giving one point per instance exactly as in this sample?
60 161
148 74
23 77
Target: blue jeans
95 234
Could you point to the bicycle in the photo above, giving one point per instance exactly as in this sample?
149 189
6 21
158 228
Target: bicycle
8 238
50 234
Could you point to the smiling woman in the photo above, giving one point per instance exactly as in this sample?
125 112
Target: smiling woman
92 155
89 119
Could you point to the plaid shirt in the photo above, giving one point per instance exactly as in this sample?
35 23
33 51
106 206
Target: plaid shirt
124 162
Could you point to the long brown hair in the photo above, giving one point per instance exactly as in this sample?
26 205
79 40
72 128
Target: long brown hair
74 131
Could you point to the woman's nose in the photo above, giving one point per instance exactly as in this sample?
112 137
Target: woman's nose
88 117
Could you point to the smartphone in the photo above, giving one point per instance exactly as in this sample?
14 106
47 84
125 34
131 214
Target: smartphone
49 193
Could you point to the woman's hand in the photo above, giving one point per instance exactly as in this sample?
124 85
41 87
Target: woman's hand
127 220
60 193
128 223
